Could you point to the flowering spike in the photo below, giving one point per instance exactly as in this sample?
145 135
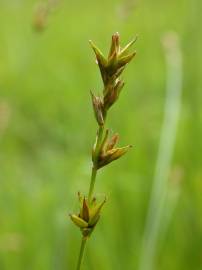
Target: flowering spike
112 155
88 216
104 150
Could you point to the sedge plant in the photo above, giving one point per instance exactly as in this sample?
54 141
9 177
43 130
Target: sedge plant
104 150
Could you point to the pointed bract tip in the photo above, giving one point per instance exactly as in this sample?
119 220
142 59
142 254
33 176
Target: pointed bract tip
135 39
116 35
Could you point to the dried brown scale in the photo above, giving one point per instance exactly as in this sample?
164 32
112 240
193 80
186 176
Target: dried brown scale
98 107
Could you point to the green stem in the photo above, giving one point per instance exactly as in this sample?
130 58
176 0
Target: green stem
92 183
83 243
94 168
99 139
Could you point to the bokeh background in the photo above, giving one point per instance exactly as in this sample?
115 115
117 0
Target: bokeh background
47 129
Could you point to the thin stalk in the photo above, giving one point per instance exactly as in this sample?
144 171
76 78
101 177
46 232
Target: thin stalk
83 243
94 168
92 183
99 139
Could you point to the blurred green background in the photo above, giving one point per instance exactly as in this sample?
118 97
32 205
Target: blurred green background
47 129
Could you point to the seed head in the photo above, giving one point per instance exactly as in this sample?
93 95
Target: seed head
111 68
108 152
88 216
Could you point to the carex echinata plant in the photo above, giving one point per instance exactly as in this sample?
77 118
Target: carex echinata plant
104 150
